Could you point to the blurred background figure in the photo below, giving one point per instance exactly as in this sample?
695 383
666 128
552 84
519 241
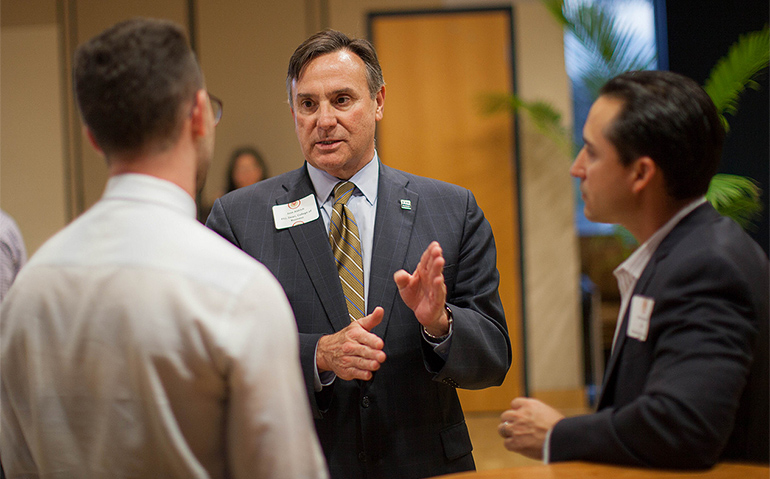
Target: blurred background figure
13 255
246 167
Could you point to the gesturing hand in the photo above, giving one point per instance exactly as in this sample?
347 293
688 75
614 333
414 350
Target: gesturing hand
424 292
354 352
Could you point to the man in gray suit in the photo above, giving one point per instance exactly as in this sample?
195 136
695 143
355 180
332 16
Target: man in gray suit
687 382
381 376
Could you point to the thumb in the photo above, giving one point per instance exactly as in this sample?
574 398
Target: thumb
401 277
372 320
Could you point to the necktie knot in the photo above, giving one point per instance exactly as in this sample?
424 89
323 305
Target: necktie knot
342 192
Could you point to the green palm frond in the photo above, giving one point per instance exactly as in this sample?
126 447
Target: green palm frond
556 8
738 70
611 49
737 197
545 117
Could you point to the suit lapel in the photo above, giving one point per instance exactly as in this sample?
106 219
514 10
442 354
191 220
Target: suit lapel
312 244
640 288
697 217
392 231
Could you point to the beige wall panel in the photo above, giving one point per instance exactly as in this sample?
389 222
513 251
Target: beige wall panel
32 179
93 16
27 12
244 49
551 255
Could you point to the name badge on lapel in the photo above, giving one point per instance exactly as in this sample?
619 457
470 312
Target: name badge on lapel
639 317
295 213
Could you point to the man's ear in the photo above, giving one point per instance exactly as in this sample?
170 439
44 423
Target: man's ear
198 115
380 99
92 140
644 171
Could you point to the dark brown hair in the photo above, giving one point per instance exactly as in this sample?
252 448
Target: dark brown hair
329 41
133 83
671 119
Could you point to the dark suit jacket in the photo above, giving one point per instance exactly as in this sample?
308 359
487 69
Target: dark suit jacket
406 421
696 391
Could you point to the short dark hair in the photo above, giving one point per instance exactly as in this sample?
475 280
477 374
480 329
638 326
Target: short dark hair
132 82
329 41
671 119
244 150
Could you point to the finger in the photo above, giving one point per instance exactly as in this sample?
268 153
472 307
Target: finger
519 402
436 254
426 258
437 265
508 416
502 430
369 352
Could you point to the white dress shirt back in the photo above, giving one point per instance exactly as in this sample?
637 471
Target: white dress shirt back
137 343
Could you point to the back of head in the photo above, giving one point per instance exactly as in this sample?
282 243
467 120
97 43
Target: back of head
329 41
671 119
133 83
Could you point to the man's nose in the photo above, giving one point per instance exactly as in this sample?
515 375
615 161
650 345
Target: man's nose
576 169
327 117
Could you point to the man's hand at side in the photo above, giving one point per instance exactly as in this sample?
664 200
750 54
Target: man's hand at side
524 427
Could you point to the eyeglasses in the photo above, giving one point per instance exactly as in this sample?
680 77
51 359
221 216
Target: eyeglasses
216 107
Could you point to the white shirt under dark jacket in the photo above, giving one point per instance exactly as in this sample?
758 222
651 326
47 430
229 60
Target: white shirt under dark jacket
137 343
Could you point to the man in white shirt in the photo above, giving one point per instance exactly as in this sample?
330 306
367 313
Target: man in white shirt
686 384
136 343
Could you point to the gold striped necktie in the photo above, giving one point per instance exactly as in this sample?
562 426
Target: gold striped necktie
346 246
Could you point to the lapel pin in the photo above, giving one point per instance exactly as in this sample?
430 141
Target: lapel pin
406 205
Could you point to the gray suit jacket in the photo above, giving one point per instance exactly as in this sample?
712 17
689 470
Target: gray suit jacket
696 391
406 421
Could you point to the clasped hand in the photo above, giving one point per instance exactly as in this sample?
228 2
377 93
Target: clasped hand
355 352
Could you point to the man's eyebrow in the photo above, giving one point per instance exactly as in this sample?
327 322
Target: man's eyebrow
339 91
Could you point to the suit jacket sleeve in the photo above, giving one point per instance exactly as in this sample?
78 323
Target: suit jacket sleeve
480 353
675 395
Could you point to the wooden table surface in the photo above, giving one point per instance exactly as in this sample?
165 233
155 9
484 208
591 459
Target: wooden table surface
575 470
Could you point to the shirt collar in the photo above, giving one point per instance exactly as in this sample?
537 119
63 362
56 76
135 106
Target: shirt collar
365 179
150 189
636 263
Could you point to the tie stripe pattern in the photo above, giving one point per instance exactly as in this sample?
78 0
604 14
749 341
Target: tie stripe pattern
346 246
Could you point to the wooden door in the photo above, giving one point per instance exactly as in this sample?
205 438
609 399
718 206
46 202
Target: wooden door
437 67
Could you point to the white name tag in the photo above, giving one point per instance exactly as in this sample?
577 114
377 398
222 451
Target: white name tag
295 213
639 317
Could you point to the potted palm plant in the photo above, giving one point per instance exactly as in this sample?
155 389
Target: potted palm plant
611 50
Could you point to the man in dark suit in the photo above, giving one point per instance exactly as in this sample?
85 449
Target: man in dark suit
382 362
687 381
